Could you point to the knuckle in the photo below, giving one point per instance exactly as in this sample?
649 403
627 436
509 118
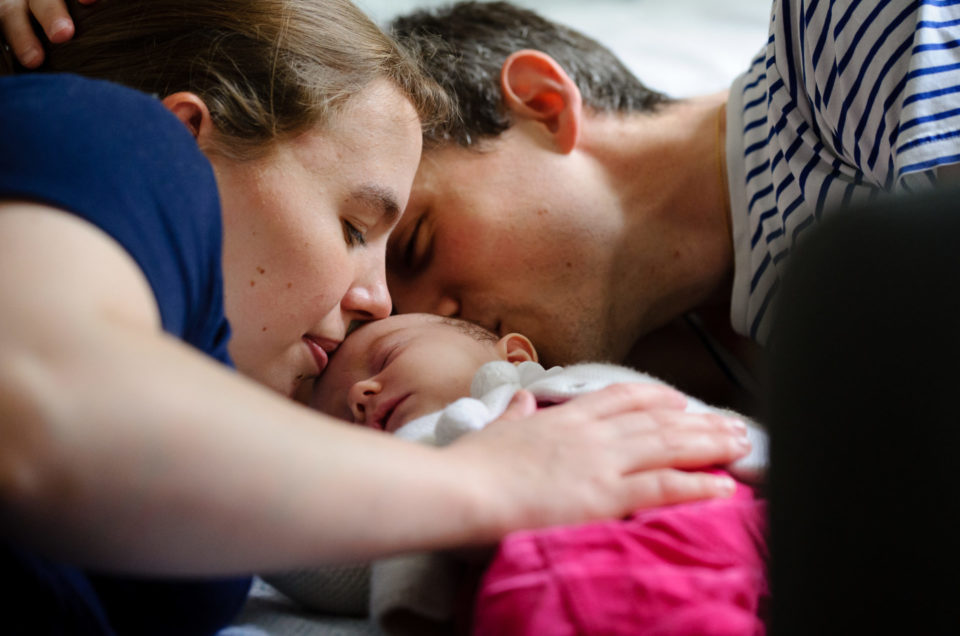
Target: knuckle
660 486
672 443
674 419
676 486
621 390
668 486
715 418
656 489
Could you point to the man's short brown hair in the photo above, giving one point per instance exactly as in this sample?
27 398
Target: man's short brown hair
464 45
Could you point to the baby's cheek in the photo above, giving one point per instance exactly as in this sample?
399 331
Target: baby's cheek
305 393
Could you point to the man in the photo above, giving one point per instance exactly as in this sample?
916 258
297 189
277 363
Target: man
605 220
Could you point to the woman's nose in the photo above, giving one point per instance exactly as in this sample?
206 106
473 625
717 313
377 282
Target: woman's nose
368 300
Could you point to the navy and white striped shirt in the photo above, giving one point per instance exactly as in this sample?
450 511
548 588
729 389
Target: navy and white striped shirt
848 99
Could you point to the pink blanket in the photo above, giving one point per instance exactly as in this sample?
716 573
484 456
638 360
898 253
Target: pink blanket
692 569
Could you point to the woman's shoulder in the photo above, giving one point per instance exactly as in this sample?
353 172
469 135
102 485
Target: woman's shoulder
119 159
53 113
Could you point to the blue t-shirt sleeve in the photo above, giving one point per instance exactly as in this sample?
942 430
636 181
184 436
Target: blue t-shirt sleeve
119 159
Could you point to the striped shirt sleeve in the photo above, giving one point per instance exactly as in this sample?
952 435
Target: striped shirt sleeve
847 100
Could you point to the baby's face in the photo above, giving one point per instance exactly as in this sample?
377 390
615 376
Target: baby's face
394 370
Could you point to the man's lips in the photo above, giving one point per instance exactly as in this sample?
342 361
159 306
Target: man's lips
320 348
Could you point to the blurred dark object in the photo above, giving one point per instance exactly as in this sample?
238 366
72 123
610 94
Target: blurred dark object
864 373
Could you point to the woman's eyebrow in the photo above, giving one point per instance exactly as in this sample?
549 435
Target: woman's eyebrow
378 199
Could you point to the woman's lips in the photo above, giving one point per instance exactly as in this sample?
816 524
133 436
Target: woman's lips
320 348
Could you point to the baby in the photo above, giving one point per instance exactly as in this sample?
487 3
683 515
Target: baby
407 374
392 371
687 569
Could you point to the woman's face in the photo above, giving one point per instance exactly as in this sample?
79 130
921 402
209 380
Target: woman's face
305 232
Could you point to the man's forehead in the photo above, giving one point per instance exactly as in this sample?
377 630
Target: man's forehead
440 160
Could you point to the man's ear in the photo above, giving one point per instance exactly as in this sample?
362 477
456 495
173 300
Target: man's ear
193 112
516 348
535 87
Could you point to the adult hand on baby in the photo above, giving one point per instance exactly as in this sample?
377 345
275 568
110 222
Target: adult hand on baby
600 455
53 17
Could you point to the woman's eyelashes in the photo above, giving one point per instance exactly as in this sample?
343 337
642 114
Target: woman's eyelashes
352 235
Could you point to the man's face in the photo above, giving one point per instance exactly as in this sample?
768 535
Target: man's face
515 237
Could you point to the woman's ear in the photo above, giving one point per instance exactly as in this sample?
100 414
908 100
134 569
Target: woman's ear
535 87
516 348
193 112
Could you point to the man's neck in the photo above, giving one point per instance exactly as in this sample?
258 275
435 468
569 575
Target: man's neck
667 168
677 253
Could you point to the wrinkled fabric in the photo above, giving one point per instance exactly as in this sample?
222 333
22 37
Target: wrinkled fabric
695 569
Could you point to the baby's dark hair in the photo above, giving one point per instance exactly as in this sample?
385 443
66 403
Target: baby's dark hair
463 46
472 329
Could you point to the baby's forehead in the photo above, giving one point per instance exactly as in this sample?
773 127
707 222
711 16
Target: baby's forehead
364 340
376 329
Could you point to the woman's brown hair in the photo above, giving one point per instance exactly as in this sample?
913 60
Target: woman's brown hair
266 69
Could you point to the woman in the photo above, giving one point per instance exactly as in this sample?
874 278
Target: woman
127 446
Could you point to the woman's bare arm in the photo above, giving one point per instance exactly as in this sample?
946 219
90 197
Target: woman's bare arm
122 448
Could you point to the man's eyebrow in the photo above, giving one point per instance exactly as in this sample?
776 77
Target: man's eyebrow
379 199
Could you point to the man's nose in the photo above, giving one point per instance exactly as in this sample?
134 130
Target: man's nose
446 306
424 298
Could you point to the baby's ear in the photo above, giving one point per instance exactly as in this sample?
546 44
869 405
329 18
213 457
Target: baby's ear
516 348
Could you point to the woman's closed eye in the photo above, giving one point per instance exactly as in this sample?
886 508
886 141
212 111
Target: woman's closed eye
352 235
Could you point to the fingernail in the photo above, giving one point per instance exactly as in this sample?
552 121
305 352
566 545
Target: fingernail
726 486
743 442
737 425
30 58
60 29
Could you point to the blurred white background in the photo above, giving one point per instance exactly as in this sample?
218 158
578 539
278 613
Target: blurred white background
681 47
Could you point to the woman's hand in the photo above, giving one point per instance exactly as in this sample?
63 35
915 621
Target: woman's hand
599 455
53 17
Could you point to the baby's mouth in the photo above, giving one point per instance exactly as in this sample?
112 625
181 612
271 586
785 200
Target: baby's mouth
384 417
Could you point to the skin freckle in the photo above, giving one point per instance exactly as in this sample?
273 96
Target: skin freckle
261 271
264 329
252 284
289 285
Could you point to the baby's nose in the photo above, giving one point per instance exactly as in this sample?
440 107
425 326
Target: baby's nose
360 396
